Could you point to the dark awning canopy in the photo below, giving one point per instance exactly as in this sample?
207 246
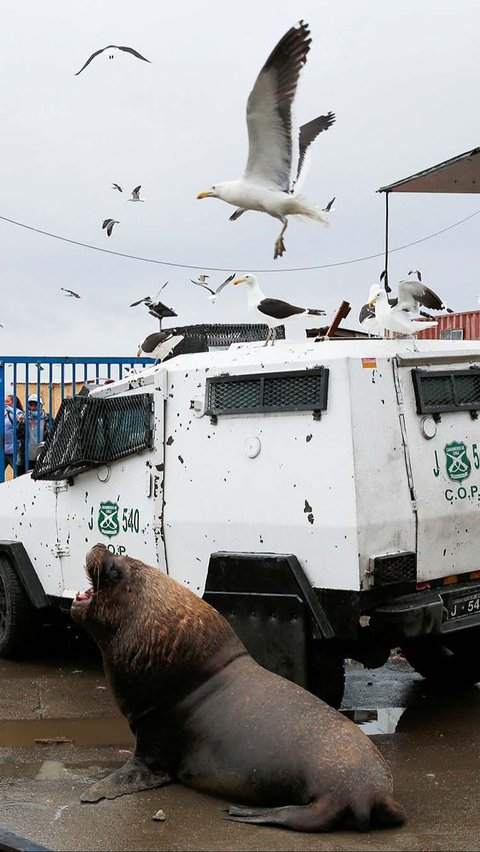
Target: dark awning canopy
459 174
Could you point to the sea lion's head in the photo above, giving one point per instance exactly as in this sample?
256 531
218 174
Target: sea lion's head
102 606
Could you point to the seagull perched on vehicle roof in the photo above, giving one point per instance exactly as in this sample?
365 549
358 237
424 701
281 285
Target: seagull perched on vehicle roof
277 149
396 317
214 293
111 47
108 224
159 344
70 293
274 312
136 194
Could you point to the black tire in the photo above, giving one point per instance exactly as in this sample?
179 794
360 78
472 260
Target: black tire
17 615
326 673
446 661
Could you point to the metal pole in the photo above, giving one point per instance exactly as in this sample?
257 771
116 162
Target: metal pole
385 278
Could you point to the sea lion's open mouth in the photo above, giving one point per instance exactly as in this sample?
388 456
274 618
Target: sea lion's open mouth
81 597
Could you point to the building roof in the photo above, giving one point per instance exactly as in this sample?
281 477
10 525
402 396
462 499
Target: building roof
459 174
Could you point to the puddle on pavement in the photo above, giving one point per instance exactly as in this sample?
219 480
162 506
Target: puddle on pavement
381 721
103 731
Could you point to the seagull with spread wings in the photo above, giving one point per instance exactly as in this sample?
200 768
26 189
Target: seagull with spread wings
156 308
403 314
71 293
116 186
136 194
200 282
113 47
108 224
277 155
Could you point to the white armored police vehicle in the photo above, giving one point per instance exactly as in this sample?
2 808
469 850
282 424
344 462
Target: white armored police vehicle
323 495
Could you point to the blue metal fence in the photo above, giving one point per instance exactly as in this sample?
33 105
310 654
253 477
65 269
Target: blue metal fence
37 373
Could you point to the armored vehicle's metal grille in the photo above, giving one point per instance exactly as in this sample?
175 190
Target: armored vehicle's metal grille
453 390
397 568
88 432
294 391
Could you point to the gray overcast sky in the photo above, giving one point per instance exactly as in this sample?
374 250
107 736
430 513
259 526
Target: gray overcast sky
402 79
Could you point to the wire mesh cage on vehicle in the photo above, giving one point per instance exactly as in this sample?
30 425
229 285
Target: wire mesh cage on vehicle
88 432
201 337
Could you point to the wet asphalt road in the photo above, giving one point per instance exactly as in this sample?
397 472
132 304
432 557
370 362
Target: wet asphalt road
59 731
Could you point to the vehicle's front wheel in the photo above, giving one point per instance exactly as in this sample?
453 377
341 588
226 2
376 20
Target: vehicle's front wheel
17 614
326 673
446 661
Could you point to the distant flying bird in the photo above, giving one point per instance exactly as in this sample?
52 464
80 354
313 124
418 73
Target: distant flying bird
108 224
70 293
159 344
201 283
155 307
136 194
272 311
275 168
149 300
330 208
111 55
116 186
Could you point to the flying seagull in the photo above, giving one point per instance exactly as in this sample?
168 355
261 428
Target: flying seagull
136 194
277 150
108 224
272 311
116 186
159 344
149 300
70 293
201 283
111 55
156 308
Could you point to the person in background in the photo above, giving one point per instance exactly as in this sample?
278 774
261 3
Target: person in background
36 433
13 413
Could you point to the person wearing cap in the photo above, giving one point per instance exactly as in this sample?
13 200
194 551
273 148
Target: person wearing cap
38 428
12 425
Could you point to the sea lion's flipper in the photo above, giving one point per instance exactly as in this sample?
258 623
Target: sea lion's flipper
318 816
324 815
132 777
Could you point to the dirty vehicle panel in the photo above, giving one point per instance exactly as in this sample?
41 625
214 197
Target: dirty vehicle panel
318 493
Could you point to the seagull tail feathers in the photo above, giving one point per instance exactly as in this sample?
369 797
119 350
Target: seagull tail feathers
301 207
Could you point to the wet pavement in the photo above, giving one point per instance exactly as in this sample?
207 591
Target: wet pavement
60 731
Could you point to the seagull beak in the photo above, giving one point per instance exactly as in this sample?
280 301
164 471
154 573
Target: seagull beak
372 302
139 353
239 280
205 195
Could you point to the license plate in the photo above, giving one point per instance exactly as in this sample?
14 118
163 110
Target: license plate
463 605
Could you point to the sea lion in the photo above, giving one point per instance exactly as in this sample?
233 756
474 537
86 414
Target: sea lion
204 713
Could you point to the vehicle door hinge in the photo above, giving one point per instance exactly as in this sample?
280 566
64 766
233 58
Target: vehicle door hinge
59 485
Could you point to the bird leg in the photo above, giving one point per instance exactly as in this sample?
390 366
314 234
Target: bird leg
274 334
279 244
267 337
